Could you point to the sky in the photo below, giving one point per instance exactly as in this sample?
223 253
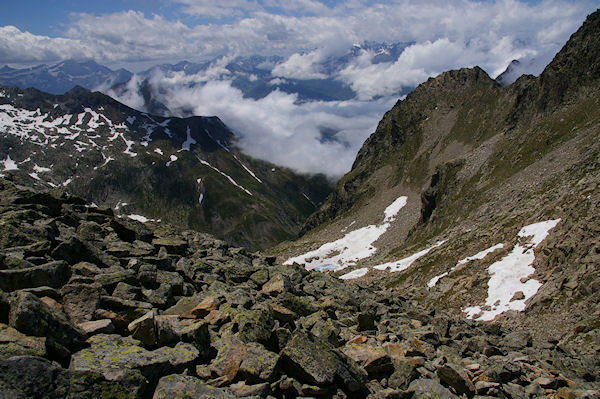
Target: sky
442 35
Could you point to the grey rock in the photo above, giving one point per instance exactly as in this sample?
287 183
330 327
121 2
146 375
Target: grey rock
187 387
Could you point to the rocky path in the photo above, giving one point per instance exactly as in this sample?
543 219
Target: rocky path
93 306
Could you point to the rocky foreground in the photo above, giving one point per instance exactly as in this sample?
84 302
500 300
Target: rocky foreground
95 306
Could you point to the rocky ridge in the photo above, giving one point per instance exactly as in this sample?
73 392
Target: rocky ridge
93 305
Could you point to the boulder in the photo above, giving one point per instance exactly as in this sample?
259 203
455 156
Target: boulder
458 378
429 389
374 360
207 305
229 358
187 387
110 355
259 364
80 301
254 325
32 377
128 310
144 330
76 250
53 274
104 326
278 284
14 343
32 317
316 362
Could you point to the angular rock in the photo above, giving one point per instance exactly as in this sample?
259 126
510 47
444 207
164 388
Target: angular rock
130 384
254 325
173 245
278 284
227 363
53 274
373 360
429 389
80 301
282 314
104 326
76 250
187 387
143 329
259 364
14 343
24 377
32 317
128 310
111 354
314 361
207 305
196 333
457 378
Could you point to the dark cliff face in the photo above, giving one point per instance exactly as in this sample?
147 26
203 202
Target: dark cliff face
186 171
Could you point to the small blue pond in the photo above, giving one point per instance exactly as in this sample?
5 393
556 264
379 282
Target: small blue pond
322 268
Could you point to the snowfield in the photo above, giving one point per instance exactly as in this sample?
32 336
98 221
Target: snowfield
354 246
509 275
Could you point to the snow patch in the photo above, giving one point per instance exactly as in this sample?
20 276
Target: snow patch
405 263
188 141
354 246
355 273
172 158
508 274
478 255
158 151
140 218
249 171
9 164
203 162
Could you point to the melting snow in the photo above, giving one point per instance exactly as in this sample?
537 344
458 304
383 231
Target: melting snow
249 171
355 273
356 245
34 175
9 164
225 175
188 141
405 263
200 198
158 151
140 218
478 255
172 158
67 182
508 273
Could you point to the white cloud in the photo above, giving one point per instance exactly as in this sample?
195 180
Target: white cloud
301 66
277 128
214 9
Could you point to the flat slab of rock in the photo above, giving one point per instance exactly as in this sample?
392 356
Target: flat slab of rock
13 343
187 387
110 354
53 274
104 326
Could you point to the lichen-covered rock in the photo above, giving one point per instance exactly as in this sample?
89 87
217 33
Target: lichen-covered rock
456 377
80 301
53 274
314 361
103 326
32 317
429 389
373 359
110 354
32 377
259 364
14 343
187 387
254 325
227 363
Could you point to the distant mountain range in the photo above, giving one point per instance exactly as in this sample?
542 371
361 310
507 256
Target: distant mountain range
62 77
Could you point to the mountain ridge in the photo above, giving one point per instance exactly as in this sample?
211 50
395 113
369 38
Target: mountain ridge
186 171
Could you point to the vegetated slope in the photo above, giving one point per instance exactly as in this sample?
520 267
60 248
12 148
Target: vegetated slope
482 166
184 171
